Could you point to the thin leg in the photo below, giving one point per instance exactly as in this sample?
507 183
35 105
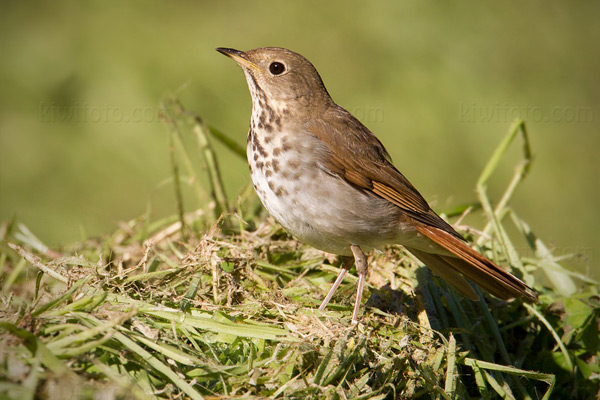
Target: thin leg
346 264
361 270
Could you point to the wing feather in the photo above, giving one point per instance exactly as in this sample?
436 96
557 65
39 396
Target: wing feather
356 155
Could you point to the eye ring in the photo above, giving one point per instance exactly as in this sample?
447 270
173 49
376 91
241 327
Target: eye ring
276 68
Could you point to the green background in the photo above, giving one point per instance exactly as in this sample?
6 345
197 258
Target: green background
82 147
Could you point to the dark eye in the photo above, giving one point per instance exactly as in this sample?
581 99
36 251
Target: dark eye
276 68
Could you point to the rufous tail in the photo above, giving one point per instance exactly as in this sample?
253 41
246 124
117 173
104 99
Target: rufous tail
468 263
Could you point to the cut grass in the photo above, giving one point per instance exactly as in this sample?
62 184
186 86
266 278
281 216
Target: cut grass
193 307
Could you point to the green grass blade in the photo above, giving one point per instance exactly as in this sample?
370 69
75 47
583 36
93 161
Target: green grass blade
152 361
450 384
550 379
228 142
208 323
555 335
38 349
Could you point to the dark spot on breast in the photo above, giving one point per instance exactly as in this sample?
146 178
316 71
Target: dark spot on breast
281 191
293 163
261 150
271 185
275 165
285 146
268 173
260 165
276 151
250 135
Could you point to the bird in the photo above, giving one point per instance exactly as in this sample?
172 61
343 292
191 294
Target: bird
328 180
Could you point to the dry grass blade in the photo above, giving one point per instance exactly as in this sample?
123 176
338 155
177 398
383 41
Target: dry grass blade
35 261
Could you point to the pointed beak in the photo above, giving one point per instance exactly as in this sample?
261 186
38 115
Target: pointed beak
239 56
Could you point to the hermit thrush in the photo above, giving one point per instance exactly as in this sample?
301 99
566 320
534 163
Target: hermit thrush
330 182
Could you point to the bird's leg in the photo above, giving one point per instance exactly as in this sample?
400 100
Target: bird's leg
347 262
361 270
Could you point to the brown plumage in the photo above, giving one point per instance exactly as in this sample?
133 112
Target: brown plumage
329 181
371 169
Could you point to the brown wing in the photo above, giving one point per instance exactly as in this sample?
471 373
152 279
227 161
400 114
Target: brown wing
369 166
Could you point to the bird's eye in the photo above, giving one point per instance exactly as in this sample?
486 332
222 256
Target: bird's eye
276 68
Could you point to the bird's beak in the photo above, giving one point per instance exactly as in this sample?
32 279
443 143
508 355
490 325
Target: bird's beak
239 56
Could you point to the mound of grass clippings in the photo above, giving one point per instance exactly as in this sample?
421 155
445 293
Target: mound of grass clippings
198 306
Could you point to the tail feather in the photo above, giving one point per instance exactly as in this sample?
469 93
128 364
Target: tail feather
446 271
472 265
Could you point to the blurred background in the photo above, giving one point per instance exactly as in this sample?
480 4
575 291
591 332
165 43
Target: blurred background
82 147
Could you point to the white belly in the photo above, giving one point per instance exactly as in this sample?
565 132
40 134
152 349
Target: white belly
318 208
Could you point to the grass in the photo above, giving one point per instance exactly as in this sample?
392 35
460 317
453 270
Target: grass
220 302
